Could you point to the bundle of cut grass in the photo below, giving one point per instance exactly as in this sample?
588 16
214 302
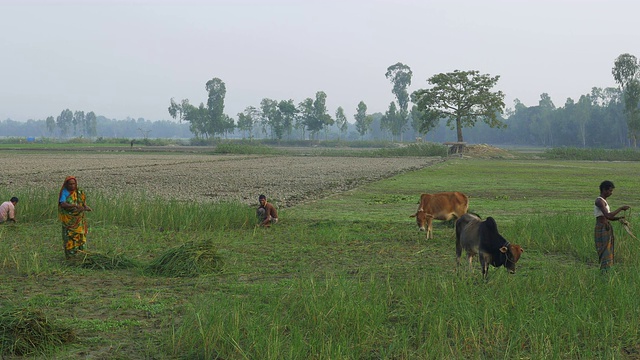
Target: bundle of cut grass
97 261
28 332
187 260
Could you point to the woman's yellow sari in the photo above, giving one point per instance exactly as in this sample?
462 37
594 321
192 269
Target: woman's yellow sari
74 223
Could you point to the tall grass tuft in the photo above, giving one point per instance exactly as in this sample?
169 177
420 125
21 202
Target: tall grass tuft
190 259
29 332
158 214
137 210
35 204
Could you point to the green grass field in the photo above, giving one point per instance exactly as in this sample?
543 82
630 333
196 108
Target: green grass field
346 277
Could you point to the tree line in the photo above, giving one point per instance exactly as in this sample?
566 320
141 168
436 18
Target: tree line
459 99
456 100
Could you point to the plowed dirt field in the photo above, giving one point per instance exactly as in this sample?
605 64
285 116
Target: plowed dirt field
287 180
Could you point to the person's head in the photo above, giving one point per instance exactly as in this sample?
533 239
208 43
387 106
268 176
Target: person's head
14 200
70 183
262 199
606 185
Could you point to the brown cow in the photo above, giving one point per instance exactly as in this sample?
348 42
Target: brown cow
440 206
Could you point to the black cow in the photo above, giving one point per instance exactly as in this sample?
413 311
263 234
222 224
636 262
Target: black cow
480 237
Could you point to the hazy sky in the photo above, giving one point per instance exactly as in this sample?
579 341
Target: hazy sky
129 58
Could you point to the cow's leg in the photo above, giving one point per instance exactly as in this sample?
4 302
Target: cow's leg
458 252
484 263
429 228
470 259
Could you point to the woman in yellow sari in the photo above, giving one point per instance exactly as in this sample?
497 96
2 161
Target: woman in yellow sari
71 212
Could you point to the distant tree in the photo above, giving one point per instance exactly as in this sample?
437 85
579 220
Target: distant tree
625 69
288 113
247 120
319 118
400 76
341 120
463 98
271 118
320 112
390 120
177 111
227 126
543 120
626 72
575 116
78 122
51 124
363 122
91 124
218 122
198 118
65 121
631 101
305 115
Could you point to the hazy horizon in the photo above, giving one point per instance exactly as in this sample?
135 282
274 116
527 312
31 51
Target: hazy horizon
129 58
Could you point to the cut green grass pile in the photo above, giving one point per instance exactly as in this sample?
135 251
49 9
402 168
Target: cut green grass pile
29 332
187 260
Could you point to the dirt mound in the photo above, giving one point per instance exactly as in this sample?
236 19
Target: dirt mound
486 152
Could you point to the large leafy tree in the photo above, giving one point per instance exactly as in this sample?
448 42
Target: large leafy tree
626 72
421 124
462 98
363 121
400 76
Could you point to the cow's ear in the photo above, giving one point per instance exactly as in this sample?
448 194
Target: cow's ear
413 215
504 249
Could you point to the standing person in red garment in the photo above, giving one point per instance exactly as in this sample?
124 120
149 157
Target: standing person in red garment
267 213
603 231
72 206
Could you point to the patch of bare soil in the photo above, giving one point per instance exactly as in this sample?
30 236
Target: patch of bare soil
287 180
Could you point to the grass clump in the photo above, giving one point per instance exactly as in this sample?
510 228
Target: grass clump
190 259
28 332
